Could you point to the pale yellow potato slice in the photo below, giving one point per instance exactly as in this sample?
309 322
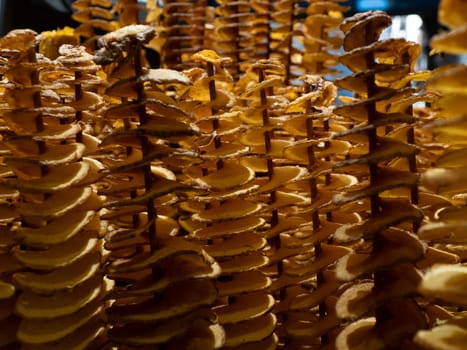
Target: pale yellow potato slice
59 177
54 154
62 278
57 204
39 331
60 254
229 176
446 282
398 245
444 336
56 231
230 209
227 228
244 307
65 302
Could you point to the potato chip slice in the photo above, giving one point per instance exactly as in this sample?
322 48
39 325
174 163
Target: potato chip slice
323 96
86 13
329 255
317 296
211 337
452 13
54 155
399 245
281 176
357 32
252 330
81 339
227 228
445 180
229 176
57 132
449 106
308 328
167 247
444 232
245 307
56 204
159 188
177 299
299 152
387 179
56 231
361 298
58 178
355 59
446 282
242 263
443 336
269 343
452 159
22 121
393 212
241 243
30 305
61 278
439 255
359 335
161 107
230 209
39 331
175 269
382 73
58 255
238 283
452 42
449 79
358 110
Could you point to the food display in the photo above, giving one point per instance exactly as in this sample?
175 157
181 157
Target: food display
246 193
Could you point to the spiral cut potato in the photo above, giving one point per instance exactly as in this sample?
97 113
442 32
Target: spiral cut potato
233 33
382 311
186 28
445 284
322 38
165 283
224 218
297 35
310 291
56 242
96 18
226 200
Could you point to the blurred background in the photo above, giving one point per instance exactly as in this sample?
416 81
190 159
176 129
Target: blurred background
414 20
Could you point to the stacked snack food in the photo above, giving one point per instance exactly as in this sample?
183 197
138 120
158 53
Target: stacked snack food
96 18
60 283
165 283
379 301
444 285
